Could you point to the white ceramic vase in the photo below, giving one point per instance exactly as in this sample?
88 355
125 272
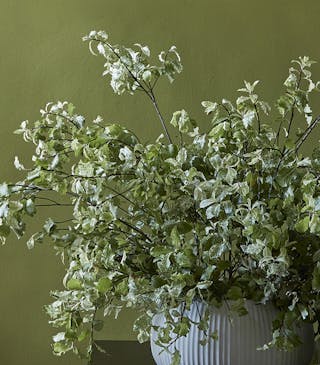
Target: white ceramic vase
237 341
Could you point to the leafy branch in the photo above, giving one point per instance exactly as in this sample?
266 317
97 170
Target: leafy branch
135 64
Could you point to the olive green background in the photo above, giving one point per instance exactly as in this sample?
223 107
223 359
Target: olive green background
43 58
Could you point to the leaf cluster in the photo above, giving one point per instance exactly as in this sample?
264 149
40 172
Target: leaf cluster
232 213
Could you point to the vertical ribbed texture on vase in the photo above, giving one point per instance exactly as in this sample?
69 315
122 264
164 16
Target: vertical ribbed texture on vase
237 341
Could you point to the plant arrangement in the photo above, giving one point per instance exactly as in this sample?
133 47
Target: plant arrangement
232 213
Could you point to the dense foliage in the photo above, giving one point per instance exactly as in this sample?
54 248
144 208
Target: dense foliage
230 213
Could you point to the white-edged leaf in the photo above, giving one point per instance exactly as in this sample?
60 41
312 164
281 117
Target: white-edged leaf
248 118
209 106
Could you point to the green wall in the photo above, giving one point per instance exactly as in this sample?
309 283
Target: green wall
43 58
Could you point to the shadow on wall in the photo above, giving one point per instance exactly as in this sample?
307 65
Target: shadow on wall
134 353
123 353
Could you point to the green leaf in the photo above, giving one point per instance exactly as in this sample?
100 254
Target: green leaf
316 278
184 227
176 358
59 337
104 285
83 335
4 209
303 311
30 207
49 225
204 284
213 211
206 202
36 237
209 106
70 108
234 293
303 225
158 250
147 76
248 118
315 224
62 347
74 284
122 287
85 169
30 242
32 175
17 164
238 307
98 325
175 237
157 281
182 327
182 121
316 256
4 190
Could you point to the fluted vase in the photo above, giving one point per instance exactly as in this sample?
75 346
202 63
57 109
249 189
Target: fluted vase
237 341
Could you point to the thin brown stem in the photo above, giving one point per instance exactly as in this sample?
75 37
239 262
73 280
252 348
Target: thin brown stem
54 205
134 228
144 87
258 117
307 132
63 116
155 104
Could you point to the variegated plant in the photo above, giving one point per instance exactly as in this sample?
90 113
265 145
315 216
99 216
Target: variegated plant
232 212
